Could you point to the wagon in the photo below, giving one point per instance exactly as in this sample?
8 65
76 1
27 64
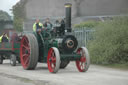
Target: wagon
10 50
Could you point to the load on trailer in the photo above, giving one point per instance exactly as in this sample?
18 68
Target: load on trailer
56 47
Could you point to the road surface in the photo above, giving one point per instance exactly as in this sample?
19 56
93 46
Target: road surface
96 75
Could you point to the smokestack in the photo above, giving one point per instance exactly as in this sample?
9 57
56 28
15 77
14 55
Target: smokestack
68 7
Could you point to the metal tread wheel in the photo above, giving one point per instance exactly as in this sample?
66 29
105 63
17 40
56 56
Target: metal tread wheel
13 59
84 62
29 52
53 60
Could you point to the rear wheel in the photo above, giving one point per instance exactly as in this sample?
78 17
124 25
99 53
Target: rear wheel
53 60
13 60
84 62
64 64
1 60
29 52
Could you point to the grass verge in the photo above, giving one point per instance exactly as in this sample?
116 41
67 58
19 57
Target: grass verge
117 66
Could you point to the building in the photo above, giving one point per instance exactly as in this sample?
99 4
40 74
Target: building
55 8
48 8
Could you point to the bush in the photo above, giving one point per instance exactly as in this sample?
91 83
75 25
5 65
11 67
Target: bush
111 42
87 24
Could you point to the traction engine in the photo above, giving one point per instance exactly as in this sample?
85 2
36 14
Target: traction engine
56 47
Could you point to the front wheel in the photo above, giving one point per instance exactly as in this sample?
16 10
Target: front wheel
84 62
53 60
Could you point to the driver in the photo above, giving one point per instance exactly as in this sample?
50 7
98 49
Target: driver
47 24
37 26
4 38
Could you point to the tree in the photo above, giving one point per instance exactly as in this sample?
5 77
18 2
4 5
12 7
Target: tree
19 15
4 16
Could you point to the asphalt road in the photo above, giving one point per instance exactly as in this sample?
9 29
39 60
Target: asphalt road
96 75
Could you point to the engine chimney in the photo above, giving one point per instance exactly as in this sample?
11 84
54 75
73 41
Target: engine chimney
68 17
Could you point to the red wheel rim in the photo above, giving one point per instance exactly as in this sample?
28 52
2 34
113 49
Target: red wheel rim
81 63
51 60
24 52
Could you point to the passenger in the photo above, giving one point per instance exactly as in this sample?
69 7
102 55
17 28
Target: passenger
60 23
62 26
4 38
37 26
48 24
57 23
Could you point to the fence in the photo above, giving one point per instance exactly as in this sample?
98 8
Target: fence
83 35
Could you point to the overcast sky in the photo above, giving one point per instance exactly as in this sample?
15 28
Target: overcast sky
7 4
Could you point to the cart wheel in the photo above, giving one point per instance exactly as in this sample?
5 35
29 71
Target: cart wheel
64 64
84 62
13 60
53 60
19 61
29 52
1 60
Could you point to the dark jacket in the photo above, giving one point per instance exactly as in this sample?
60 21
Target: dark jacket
48 25
4 39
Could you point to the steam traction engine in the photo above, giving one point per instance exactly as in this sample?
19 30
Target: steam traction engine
56 49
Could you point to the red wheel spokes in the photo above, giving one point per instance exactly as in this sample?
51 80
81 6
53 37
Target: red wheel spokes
25 52
83 59
82 65
53 65
51 60
82 62
26 58
26 41
24 55
26 61
26 47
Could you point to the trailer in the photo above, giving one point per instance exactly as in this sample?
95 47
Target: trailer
10 50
